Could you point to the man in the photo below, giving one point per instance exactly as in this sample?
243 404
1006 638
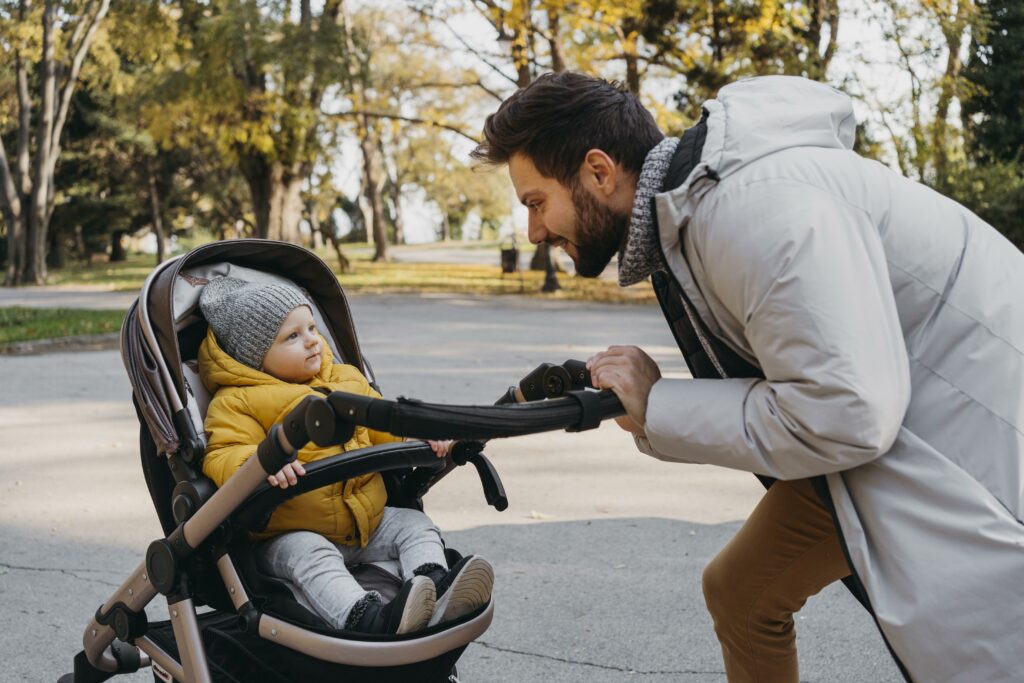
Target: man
866 339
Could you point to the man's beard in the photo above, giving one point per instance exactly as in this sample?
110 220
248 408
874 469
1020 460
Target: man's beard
599 232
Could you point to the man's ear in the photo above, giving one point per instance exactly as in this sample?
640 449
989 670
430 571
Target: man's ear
600 172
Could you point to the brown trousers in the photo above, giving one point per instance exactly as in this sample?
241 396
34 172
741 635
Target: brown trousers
787 551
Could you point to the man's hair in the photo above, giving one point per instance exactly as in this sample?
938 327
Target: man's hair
559 117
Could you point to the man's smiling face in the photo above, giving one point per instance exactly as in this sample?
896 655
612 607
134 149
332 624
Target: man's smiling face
572 217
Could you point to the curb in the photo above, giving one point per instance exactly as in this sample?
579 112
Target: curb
85 342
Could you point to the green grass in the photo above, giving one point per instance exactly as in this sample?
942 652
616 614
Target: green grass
18 324
122 275
413 278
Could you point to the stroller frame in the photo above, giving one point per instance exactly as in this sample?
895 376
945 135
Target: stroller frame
201 520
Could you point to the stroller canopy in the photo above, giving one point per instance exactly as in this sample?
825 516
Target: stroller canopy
163 327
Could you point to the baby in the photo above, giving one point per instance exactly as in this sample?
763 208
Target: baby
263 355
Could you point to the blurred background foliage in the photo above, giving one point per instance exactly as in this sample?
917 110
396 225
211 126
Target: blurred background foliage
165 123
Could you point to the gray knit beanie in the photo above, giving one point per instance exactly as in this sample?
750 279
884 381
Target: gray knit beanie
245 316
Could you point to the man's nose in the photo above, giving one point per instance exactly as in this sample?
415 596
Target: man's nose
535 231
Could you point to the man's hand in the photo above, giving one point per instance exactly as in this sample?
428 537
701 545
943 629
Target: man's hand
630 373
288 476
441 448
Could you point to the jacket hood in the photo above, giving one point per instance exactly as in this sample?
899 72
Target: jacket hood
752 119
755 117
218 369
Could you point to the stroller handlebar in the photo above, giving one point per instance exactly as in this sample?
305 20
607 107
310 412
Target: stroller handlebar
255 512
576 411
521 410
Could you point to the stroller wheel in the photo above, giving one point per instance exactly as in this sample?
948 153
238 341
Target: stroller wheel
66 678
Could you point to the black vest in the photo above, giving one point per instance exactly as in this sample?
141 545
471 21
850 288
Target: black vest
707 356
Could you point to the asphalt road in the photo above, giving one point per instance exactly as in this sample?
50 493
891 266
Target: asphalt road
598 557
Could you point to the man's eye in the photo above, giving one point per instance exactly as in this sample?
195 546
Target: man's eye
293 335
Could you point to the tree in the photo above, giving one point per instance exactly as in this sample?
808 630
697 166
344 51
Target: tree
993 117
432 164
49 43
521 24
402 86
252 77
994 112
711 44
926 38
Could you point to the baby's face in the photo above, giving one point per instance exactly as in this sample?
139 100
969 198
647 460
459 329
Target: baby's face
295 354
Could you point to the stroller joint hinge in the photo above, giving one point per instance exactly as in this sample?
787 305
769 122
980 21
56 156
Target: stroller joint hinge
249 619
126 622
163 563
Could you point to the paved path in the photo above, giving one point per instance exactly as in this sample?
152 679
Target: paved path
63 297
598 556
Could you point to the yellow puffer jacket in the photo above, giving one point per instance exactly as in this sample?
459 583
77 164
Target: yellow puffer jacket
247 403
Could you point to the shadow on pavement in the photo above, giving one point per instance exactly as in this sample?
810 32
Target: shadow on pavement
595 601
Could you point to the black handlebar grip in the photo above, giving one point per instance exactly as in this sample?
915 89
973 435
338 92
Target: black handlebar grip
271 453
363 410
294 423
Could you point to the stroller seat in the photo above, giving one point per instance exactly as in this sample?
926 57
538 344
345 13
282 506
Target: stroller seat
257 629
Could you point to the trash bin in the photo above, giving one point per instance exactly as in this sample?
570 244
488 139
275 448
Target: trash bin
509 257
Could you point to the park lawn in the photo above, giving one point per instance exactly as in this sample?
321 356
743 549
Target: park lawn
18 324
125 275
368 277
473 279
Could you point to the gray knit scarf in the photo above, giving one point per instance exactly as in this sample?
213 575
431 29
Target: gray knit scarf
641 256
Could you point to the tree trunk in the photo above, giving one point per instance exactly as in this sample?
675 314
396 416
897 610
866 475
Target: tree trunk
35 266
276 192
393 193
57 253
117 252
156 219
521 44
30 207
446 227
630 36
541 257
257 177
10 202
954 34
522 33
554 43
80 253
371 187
285 203
330 232
395 198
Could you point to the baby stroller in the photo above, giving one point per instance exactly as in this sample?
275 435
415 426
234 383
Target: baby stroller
256 629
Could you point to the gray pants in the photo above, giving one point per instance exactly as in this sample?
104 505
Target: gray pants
318 569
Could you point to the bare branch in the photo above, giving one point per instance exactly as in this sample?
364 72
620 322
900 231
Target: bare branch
80 28
472 50
76 66
11 198
399 117
468 84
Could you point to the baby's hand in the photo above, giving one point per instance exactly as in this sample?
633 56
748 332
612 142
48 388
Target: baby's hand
441 448
288 476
